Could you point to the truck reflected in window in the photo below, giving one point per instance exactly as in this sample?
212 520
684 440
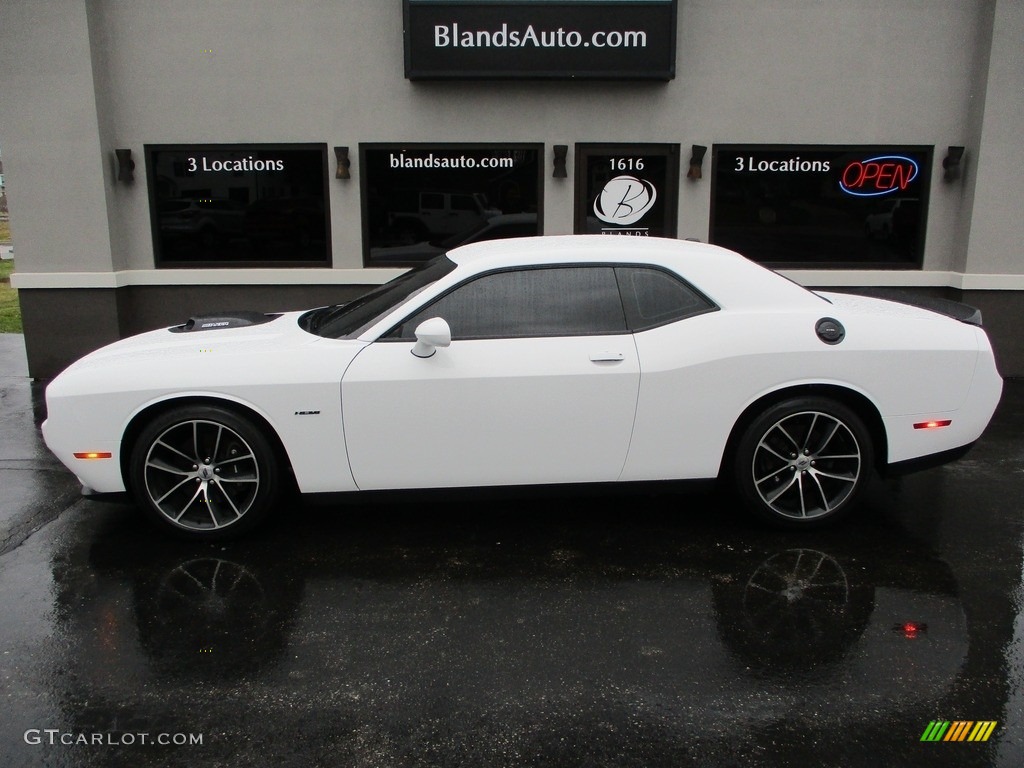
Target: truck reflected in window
420 200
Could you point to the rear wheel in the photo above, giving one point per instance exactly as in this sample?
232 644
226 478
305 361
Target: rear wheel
204 472
803 462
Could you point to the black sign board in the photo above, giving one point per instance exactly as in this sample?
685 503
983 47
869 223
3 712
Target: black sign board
627 189
552 39
834 206
239 204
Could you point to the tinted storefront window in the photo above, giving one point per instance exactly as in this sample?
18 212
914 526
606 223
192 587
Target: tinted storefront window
422 200
238 205
832 206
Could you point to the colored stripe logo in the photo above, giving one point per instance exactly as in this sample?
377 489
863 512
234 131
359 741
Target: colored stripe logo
958 730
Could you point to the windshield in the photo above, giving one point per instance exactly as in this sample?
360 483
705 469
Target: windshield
343 320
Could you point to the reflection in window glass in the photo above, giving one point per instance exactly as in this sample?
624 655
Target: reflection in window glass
417 198
564 301
837 206
238 204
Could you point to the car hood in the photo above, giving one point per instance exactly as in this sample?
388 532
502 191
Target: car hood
281 333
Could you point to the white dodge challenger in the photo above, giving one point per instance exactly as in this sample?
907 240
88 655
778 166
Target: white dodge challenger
581 359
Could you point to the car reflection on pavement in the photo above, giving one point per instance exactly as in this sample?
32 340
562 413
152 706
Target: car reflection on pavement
402 615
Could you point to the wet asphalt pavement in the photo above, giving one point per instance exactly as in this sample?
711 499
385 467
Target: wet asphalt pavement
34 486
642 628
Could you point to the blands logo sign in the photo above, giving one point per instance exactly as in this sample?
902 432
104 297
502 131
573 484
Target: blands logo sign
624 200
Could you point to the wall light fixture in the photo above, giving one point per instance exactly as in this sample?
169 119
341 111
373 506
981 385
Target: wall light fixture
561 150
344 164
125 165
951 163
696 161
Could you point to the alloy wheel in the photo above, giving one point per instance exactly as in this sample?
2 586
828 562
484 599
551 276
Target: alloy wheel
201 475
806 464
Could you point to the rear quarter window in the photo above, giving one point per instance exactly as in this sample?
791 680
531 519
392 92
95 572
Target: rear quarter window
653 297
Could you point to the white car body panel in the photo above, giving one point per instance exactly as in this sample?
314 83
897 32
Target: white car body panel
288 377
697 381
358 413
491 412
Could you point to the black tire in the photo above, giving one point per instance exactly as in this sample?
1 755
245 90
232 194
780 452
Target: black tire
204 472
803 463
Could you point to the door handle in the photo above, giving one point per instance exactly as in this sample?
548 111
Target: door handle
607 357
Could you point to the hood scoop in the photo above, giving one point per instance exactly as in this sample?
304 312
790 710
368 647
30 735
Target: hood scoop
218 321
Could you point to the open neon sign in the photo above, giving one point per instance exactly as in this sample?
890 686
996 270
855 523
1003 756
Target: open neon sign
878 176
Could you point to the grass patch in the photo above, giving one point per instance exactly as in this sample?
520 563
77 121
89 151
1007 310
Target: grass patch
10 310
5 232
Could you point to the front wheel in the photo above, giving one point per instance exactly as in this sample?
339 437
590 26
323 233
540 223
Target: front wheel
803 462
204 472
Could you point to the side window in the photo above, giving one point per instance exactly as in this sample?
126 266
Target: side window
560 301
653 297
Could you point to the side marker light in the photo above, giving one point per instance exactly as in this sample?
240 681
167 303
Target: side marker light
933 424
93 455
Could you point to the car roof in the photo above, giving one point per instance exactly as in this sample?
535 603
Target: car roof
725 276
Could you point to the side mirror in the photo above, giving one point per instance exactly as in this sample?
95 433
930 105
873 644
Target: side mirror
431 334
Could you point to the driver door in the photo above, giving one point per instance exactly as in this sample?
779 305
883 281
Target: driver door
539 385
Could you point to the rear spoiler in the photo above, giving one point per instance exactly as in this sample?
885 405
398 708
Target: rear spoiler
965 313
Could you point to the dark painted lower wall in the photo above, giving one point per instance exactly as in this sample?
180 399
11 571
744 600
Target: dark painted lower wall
61 325
1002 312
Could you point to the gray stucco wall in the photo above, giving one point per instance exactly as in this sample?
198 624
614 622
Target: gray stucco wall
997 224
52 153
79 79
83 79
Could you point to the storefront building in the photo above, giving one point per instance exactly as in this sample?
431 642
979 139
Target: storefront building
163 159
